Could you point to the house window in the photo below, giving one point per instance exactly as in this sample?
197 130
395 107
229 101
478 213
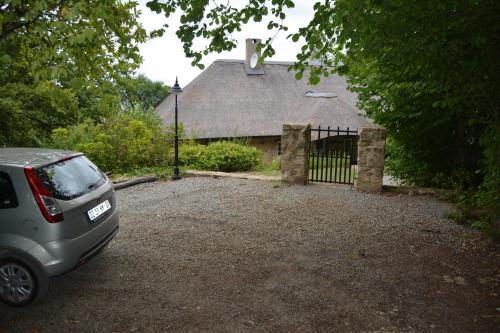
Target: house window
279 148
8 197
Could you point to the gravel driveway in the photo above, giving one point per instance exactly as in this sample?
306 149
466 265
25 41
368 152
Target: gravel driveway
243 256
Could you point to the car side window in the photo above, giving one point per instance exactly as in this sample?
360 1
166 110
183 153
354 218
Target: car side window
8 197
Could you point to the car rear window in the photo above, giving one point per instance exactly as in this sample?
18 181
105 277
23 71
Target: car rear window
8 197
71 178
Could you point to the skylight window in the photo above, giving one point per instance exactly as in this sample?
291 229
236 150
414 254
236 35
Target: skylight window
316 94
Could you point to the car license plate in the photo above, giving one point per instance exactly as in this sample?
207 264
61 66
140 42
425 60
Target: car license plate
100 209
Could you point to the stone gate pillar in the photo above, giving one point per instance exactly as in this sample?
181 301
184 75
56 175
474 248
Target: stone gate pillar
371 159
295 142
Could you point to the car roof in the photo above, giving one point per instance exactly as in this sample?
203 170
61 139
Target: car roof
34 157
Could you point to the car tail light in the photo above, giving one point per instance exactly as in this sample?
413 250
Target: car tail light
46 202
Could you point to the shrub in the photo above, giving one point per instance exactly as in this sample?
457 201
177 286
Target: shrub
220 156
124 141
276 164
191 154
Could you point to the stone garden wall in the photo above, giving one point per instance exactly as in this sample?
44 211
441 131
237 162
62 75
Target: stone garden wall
371 159
295 142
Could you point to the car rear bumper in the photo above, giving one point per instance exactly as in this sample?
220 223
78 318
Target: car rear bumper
61 256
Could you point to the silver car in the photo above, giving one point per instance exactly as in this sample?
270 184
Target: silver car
57 211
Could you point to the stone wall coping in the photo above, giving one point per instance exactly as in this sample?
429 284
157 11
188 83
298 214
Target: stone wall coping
372 129
296 126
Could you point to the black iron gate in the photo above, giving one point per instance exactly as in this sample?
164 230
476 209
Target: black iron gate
333 155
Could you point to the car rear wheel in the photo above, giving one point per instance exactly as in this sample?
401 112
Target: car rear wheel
18 285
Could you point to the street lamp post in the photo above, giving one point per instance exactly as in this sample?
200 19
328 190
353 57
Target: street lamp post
176 90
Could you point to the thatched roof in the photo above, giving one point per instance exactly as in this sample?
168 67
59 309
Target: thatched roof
224 101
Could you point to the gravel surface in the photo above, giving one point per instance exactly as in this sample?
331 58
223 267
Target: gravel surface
229 255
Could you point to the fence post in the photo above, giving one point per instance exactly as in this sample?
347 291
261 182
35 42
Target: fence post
371 159
295 141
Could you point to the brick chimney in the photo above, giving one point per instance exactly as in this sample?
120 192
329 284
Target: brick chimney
252 65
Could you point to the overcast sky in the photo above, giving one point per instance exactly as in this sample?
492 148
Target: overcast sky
164 59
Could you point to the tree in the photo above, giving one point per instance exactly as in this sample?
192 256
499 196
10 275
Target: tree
60 39
28 113
53 53
428 71
142 93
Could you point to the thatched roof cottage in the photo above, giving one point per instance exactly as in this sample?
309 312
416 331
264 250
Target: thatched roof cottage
244 99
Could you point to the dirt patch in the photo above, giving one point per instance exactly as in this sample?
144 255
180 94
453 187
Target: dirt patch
243 256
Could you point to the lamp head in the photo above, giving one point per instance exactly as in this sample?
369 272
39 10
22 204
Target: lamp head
176 89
